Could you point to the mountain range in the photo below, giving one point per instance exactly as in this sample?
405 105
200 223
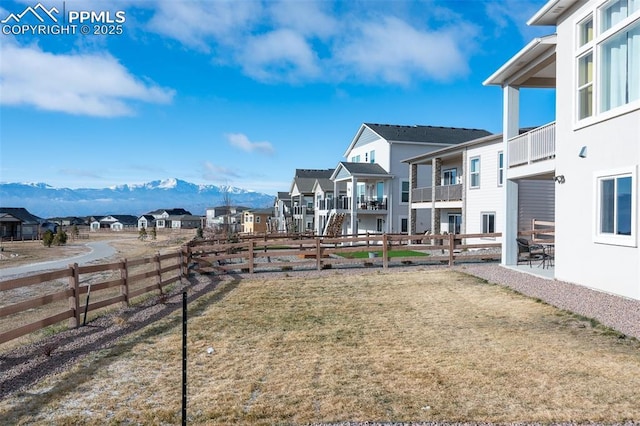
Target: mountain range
46 201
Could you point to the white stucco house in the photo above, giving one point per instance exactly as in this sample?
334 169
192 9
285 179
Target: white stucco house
592 150
371 190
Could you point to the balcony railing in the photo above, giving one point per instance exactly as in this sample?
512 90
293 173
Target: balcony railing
344 203
302 211
442 193
537 145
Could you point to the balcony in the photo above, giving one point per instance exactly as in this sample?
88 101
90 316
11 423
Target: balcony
301 211
344 203
442 193
537 145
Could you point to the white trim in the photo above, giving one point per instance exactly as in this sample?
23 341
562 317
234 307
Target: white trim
612 239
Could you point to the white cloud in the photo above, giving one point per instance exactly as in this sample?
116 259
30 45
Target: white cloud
395 52
279 55
242 142
302 41
197 24
82 84
514 13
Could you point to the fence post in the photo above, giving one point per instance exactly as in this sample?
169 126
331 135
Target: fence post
156 260
124 276
385 252
251 243
74 299
451 246
318 254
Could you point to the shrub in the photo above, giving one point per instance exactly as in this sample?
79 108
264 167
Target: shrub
47 238
60 238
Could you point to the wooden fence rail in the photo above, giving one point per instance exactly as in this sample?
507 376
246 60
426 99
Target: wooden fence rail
110 284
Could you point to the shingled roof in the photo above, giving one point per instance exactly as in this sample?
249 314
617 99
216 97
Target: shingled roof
426 134
22 214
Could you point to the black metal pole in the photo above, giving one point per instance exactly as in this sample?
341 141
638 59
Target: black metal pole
184 358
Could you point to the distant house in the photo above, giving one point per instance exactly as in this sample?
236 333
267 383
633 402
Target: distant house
282 212
146 221
185 221
114 222
225 217
256 221
17 223
162 216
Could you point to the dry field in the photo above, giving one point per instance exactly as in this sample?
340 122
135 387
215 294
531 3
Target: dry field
127 245
376 346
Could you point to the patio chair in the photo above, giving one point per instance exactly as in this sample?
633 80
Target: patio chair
528 252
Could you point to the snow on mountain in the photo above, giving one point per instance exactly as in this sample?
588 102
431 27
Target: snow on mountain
44 200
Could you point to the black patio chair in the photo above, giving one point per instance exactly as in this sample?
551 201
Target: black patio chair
529 252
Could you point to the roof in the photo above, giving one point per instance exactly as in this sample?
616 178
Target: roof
313 173
426 134
551 12
360 169
22 214
418 134
304 179
264 211
148 217
125 219
171 212
183 217
284 196
325 184
515 72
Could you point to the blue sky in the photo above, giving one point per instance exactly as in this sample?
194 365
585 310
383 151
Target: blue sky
243 93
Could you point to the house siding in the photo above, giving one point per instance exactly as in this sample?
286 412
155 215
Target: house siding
612 144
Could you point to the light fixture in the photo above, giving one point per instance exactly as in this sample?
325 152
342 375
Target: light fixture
583 152
559 178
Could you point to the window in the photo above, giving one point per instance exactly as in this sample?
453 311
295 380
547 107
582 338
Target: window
620 74
404 225
615 209
449 177
257 219
585 86
488 223
474 174
404 191
379 223
608 59
500 168
355 159
372 157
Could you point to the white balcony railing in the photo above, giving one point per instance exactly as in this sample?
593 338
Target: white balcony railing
537 145
442 193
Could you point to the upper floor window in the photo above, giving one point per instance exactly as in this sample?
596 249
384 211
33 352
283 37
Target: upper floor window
608 60
372 157
500 168
404 191
474 173
449 177
355 159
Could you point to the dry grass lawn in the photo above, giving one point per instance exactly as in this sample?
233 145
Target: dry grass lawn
403 346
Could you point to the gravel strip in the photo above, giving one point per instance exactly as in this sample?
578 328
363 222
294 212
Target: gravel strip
621 314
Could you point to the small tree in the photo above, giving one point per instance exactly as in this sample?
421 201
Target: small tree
47 238
199 232
60 238
154 233
142 234
75 232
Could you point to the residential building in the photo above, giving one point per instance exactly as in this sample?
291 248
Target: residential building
16 223
162 216
256 221
592 150
466 192
146 221
225 218
114 222
372 188
303 198
282 215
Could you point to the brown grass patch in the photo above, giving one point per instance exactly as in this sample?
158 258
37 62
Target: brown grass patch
409 346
